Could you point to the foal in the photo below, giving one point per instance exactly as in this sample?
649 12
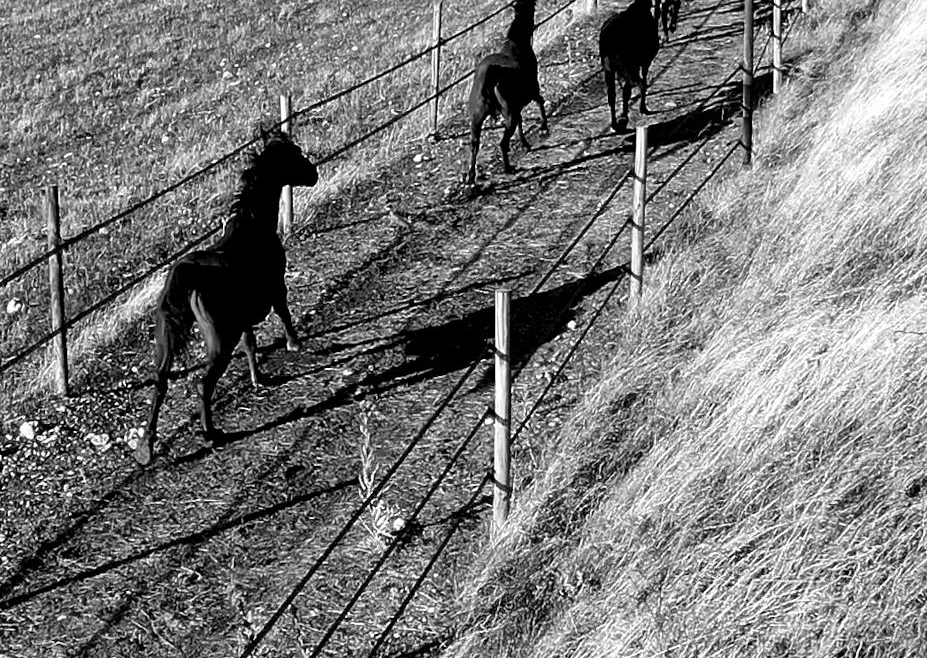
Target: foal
505 82
628 42
231 286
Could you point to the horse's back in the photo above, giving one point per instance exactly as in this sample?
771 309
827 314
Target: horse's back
628 40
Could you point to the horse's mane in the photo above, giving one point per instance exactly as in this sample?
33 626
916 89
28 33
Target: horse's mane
239 210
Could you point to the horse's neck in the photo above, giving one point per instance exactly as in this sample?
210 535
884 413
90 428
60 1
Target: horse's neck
253 214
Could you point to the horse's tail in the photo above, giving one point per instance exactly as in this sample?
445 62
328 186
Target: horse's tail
174 315
490 71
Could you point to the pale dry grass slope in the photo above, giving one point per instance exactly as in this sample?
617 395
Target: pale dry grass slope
749 478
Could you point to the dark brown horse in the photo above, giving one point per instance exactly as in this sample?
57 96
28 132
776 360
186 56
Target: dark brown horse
628 43
504 83
232 286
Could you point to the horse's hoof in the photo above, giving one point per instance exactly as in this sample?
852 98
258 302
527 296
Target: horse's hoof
293 346
544 129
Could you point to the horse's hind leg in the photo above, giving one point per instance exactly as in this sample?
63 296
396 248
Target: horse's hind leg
644 109
476 127
164 357
540 102
251 353
219 355
610 93
512 120
521 135
625 101
283 312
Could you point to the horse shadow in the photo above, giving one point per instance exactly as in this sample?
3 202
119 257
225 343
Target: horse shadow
454 345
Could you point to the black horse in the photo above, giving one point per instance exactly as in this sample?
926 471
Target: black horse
628 43
505 82
232 286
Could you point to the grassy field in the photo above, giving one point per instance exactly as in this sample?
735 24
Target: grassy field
116 102
748 477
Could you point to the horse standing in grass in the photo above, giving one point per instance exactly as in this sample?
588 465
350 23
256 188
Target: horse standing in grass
232 286
504 83
628 43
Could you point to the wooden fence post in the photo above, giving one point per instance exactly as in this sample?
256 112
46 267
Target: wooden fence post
286 221
804 7
638 205
502 425
436 64
747 125
777 45
56 287
592 6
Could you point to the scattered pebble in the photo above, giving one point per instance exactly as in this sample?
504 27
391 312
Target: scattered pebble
100 441
418 157
27 430
398 524
571 325
14 306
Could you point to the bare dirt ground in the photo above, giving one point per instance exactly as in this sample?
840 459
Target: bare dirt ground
393 291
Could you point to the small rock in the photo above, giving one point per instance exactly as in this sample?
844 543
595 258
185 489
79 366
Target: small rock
418 158
398 524
100 441
27 430
14 306
571 325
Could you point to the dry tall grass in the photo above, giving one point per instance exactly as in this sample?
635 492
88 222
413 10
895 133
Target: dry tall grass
749 477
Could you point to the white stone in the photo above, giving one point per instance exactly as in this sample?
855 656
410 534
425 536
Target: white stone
14 306
27 430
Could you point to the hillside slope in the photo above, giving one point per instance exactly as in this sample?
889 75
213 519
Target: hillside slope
747 479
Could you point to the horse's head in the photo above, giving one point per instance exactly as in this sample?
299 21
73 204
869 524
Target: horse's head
285 160
521 28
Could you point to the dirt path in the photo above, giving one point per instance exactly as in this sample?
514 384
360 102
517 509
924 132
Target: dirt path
393 289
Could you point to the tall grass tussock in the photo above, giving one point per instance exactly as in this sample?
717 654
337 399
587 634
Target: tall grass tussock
749 477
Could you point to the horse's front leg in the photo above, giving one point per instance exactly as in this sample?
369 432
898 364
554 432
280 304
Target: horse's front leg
283 312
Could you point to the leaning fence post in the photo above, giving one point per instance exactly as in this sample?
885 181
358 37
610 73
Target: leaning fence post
436 64
502 423
747 126
56 286
286 221
592 6
777 45
638 205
